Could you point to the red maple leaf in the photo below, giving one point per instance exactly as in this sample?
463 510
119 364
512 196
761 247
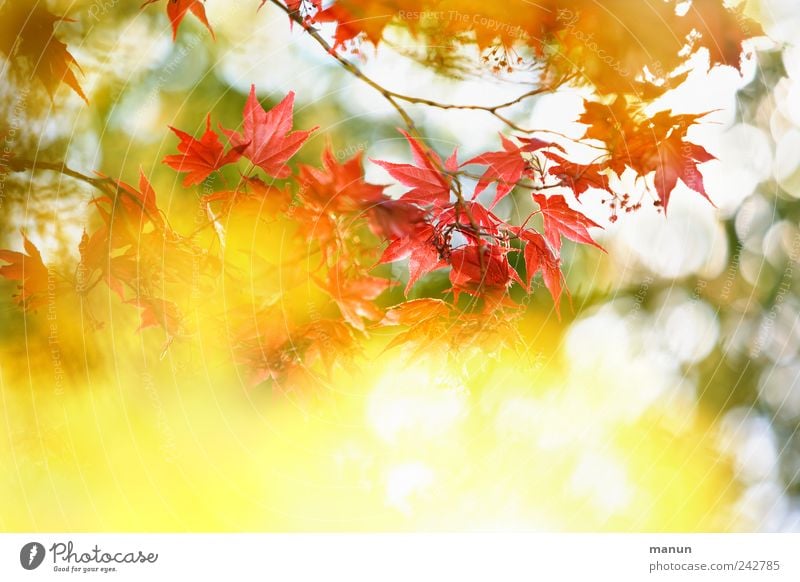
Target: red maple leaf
481 270
266 138
201 157
539 256
561 220
140 203
30 271
678 159
177 9
423 256
338 187
427 320
354 294
468 217
429 184
505 167
393 219
367 19
577 177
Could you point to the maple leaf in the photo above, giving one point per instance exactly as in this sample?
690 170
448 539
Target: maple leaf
326 340
140 203
411 313
481 269
177 9
354 294
29 33
266 138
722 30
393 219
628 139
577 177
540 257
561 220
201 157
28 269
94 256
645 144
429 185
338 187
607 123
678 159
469 216
505 167
423 256
426 319
354 19
158 312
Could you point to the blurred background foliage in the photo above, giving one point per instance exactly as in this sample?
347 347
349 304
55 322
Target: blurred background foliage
667 399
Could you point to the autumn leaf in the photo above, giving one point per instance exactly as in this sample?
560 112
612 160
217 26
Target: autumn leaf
354 293
201 157
139 203
177 9
28 269
677 160
722 30
29 34
338 187
354 19
608 123
561 220
646 144
577 177
429 186
423 256
392 219
469 216
159 312
427 320
266 136
410 313
481 270
505 167
540 257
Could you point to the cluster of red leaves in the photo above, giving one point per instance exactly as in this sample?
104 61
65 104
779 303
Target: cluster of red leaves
435 225
355 226
467 237
654 146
